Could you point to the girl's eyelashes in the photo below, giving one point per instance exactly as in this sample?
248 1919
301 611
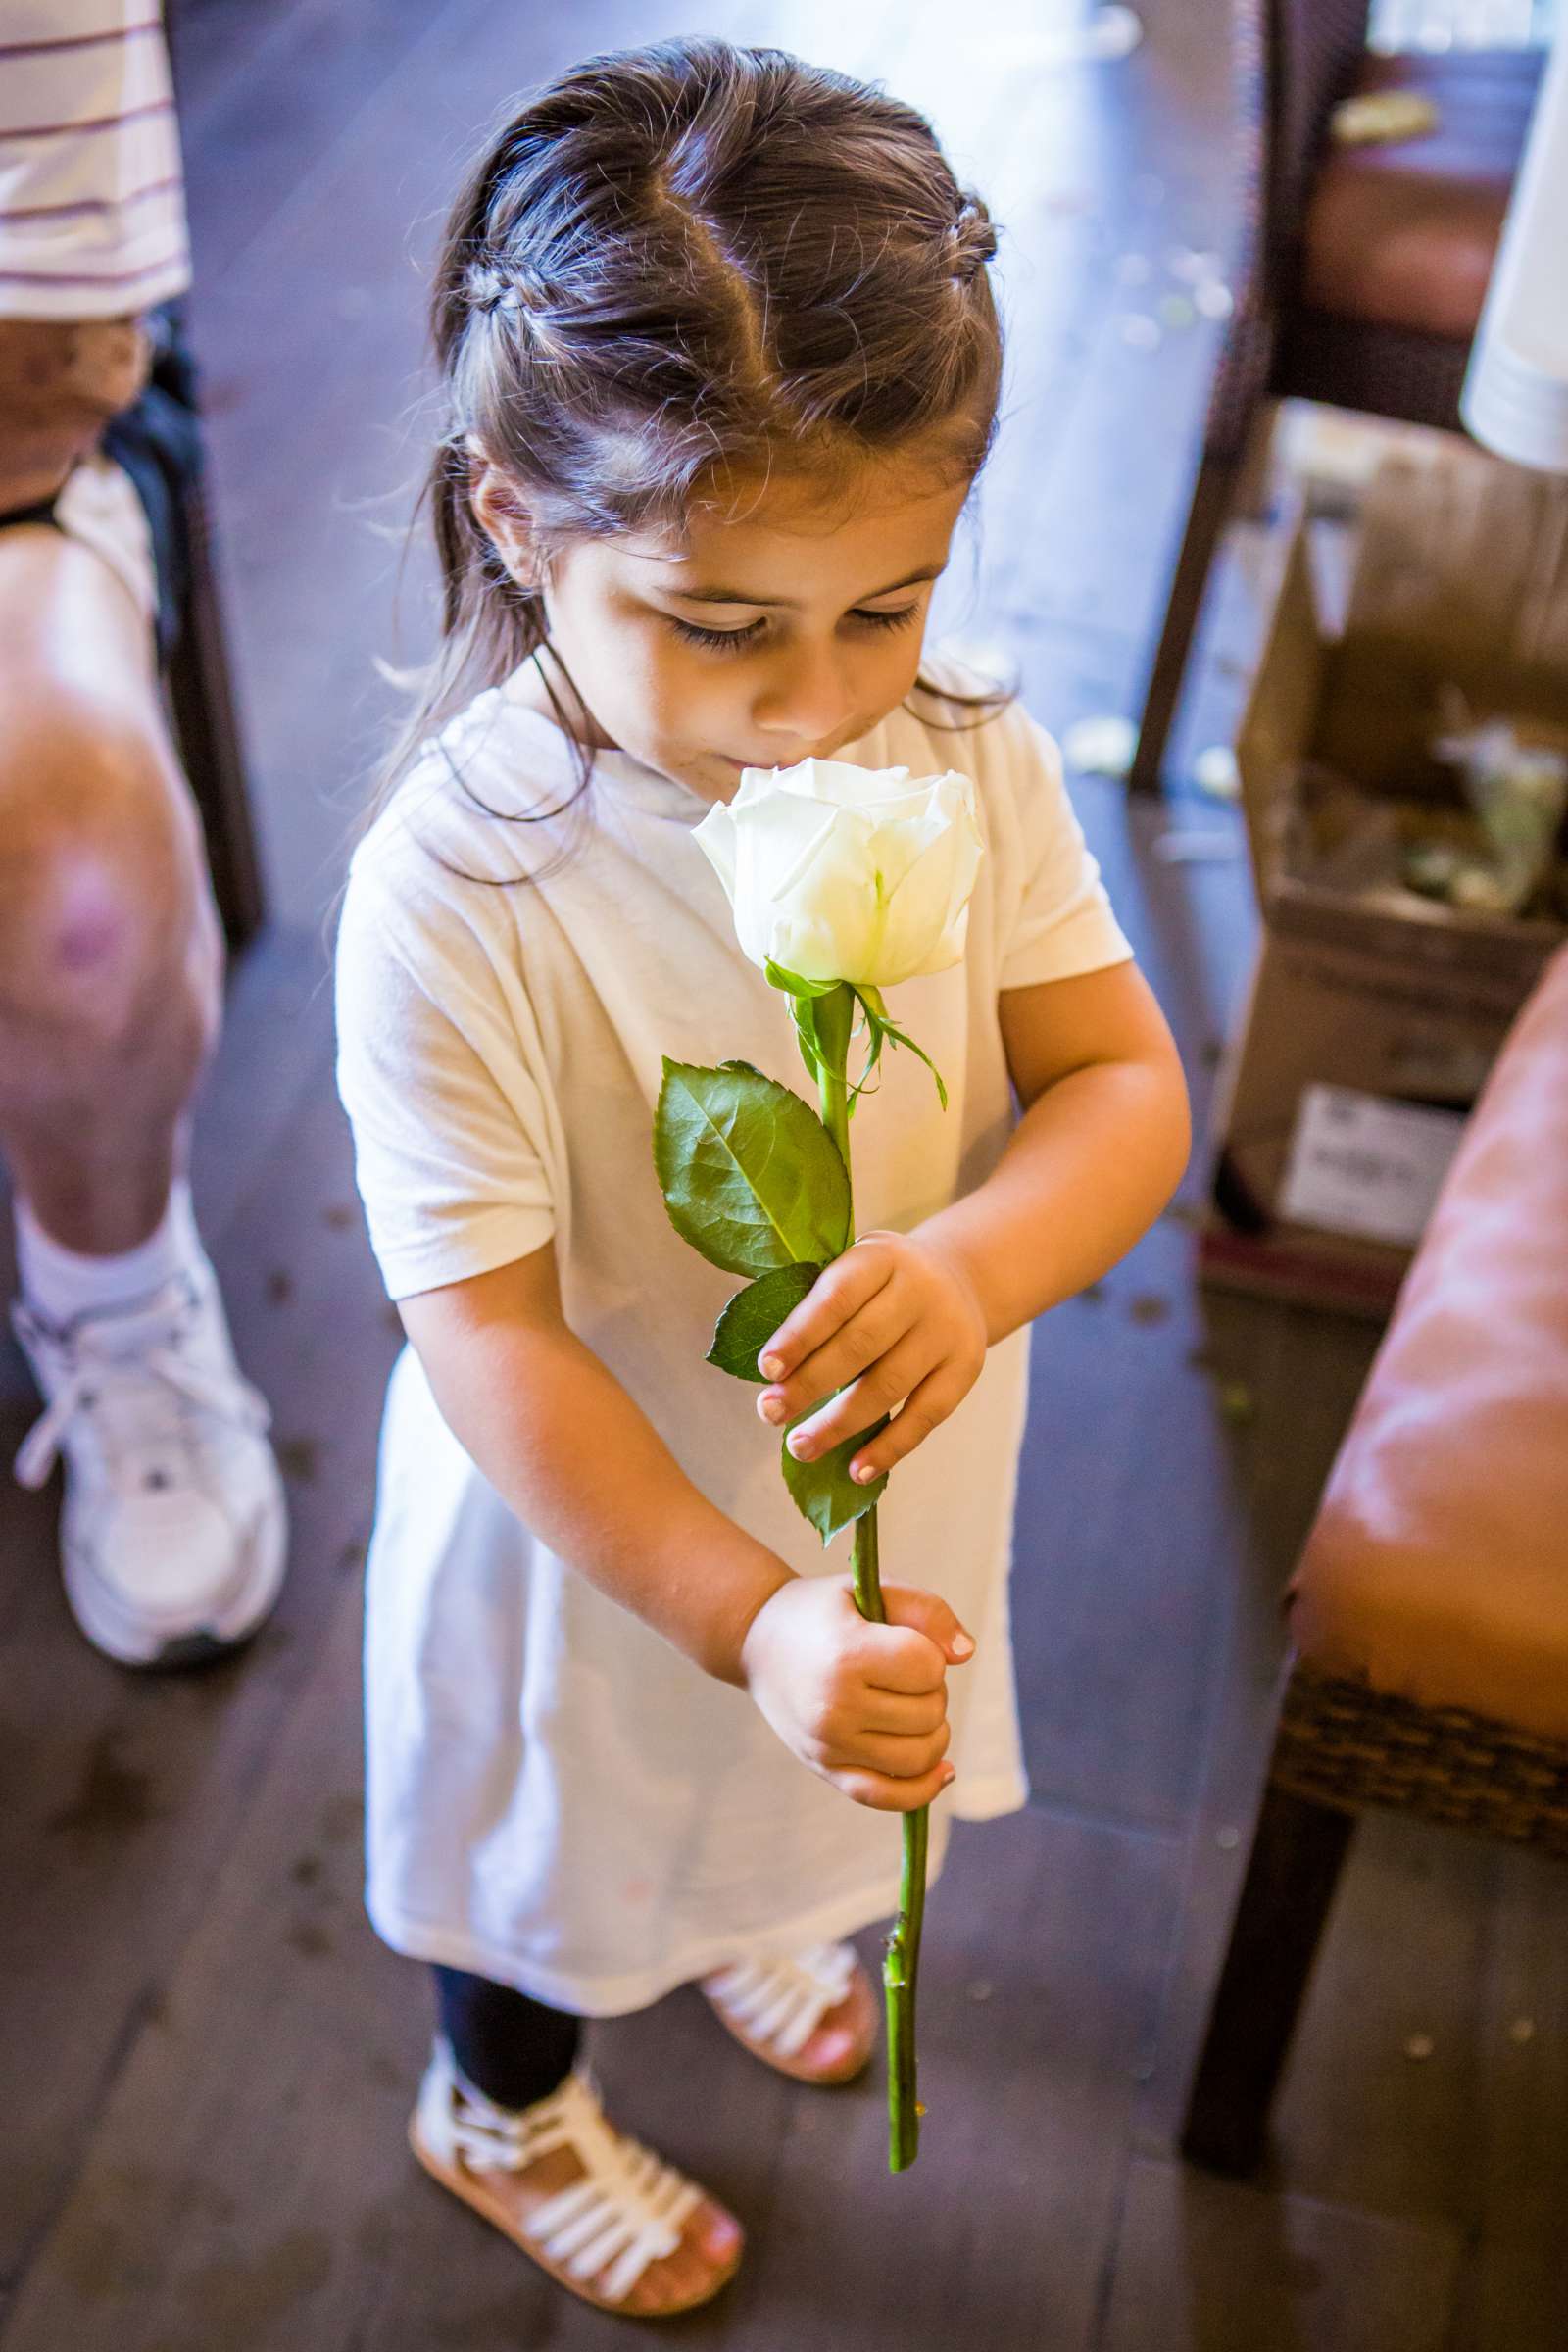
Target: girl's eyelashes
722 641
729 641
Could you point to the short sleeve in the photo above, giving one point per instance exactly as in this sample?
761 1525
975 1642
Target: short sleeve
451 1125
1058 920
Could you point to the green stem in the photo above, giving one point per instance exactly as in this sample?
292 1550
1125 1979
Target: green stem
835 1018
900 1963
865 1568
901 1970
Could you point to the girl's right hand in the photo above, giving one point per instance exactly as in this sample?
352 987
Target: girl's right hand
866 1706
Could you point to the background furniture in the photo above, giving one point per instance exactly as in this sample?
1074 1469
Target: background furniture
201 699
197 674
1360 270
1430 1611
1517 393
159 443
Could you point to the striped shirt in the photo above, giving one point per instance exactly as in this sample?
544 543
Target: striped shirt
92 199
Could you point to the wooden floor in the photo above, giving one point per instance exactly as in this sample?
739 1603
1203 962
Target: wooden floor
208 2059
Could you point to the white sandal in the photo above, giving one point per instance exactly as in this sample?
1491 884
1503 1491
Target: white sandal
628 2210
774 2005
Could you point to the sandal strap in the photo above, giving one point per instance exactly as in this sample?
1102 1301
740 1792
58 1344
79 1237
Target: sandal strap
779 2001
628 2208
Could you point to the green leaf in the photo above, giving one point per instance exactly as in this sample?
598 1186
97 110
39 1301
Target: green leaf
824 1491
901 1036
880 1028
794 985
803 1011
753 1316
875 1032
750 1177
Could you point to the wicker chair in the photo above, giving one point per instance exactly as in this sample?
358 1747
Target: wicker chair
1360 273
1430 1609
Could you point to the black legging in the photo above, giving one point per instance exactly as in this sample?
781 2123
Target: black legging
512 2049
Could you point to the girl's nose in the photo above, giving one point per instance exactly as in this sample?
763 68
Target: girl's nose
806 699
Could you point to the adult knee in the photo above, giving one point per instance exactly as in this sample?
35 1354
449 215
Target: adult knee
104 917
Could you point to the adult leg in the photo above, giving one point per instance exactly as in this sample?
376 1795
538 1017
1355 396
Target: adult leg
109 957
172 1532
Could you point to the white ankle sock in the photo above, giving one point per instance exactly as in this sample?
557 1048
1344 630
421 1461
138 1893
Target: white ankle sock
61 1284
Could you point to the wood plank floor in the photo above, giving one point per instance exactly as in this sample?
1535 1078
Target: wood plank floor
207 2058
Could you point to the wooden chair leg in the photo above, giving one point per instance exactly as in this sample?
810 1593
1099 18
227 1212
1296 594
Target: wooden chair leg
1212 495
1299 1851
202 703
1255 490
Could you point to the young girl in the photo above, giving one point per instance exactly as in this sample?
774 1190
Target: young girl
721 364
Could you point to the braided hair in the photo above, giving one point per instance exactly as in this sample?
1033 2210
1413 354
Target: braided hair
678 261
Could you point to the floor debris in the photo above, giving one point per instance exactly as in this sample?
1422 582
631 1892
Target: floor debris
299 1458
1216 775
1382 118
1110 34
1196 849
1192 269
1101 747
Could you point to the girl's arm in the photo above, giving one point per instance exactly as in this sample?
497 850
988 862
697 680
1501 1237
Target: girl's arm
563 1444
908 1318
1099 1150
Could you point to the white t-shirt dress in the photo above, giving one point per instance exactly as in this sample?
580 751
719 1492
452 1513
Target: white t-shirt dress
556 1798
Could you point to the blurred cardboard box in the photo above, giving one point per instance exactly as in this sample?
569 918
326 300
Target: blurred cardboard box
1375 1011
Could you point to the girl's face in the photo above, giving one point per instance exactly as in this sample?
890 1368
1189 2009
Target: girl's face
775 629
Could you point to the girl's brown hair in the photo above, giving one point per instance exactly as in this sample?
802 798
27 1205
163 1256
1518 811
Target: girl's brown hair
682 262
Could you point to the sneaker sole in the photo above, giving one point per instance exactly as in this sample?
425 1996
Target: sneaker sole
114 1629
471 2192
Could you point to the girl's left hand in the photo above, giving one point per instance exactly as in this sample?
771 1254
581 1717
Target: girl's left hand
895 1322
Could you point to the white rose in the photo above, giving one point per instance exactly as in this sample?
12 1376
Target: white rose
848 873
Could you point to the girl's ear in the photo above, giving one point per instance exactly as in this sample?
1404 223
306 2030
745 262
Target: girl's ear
503 520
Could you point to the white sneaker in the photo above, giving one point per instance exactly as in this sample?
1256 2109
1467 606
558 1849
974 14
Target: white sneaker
174 1532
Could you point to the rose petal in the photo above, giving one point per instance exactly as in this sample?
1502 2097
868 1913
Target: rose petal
839 872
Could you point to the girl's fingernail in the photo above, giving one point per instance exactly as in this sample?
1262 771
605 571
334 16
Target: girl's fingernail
772 1365
963 1646
863 1473
798 1447
772 1409
949 1776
